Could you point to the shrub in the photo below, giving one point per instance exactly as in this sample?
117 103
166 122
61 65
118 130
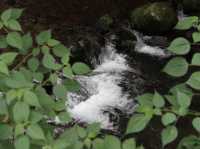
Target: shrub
176 103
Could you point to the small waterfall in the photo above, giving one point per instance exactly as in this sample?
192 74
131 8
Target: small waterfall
142 47
103 91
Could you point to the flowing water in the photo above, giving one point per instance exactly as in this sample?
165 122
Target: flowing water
101 92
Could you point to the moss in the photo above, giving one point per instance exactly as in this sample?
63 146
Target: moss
157 17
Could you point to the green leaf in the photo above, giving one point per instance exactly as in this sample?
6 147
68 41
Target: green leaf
14 39
72 85
181 88
1 24
43 37
35 132
54 78
64 117
112 142
196 37
35 117
53 42
189 142
80 68
49 62
176 67
22 142
19 130
145 99
27 41
14 25
6 131
67 72
33 64
129 144
65 59
10 96
169 134
196 59
17 80
194 80
93 130
60 105
137 123
98 144
82 133
45 100
36 51
182 111
196 124
180 46
187 23
45 49
3 107
60 144
3 68
60 91
3 42
21 112
158 100
31 99
16 13
168 118
8 57
37 76
183 100
60 50
6 15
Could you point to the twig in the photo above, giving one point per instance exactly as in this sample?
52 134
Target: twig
22 61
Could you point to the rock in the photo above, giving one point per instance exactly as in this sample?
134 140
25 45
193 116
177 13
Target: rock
87 49
191 6
125 41
155 18
104 24
157 41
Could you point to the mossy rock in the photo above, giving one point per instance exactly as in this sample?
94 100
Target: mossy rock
105 22
154 18
191 6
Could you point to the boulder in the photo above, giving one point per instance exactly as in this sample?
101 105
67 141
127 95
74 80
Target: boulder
105 23
125 41
154 18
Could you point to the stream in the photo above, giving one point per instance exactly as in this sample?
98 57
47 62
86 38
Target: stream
101 96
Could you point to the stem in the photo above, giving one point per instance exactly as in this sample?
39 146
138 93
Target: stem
45 82
22 61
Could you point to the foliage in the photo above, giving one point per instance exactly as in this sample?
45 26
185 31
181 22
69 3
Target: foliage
176 104
30 116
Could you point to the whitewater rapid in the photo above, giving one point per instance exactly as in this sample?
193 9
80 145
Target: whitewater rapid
103 90
100 91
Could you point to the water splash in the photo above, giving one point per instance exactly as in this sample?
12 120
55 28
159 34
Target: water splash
142 47
103 90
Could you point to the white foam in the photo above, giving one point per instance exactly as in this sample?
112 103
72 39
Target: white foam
151 50
103 89
142 47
